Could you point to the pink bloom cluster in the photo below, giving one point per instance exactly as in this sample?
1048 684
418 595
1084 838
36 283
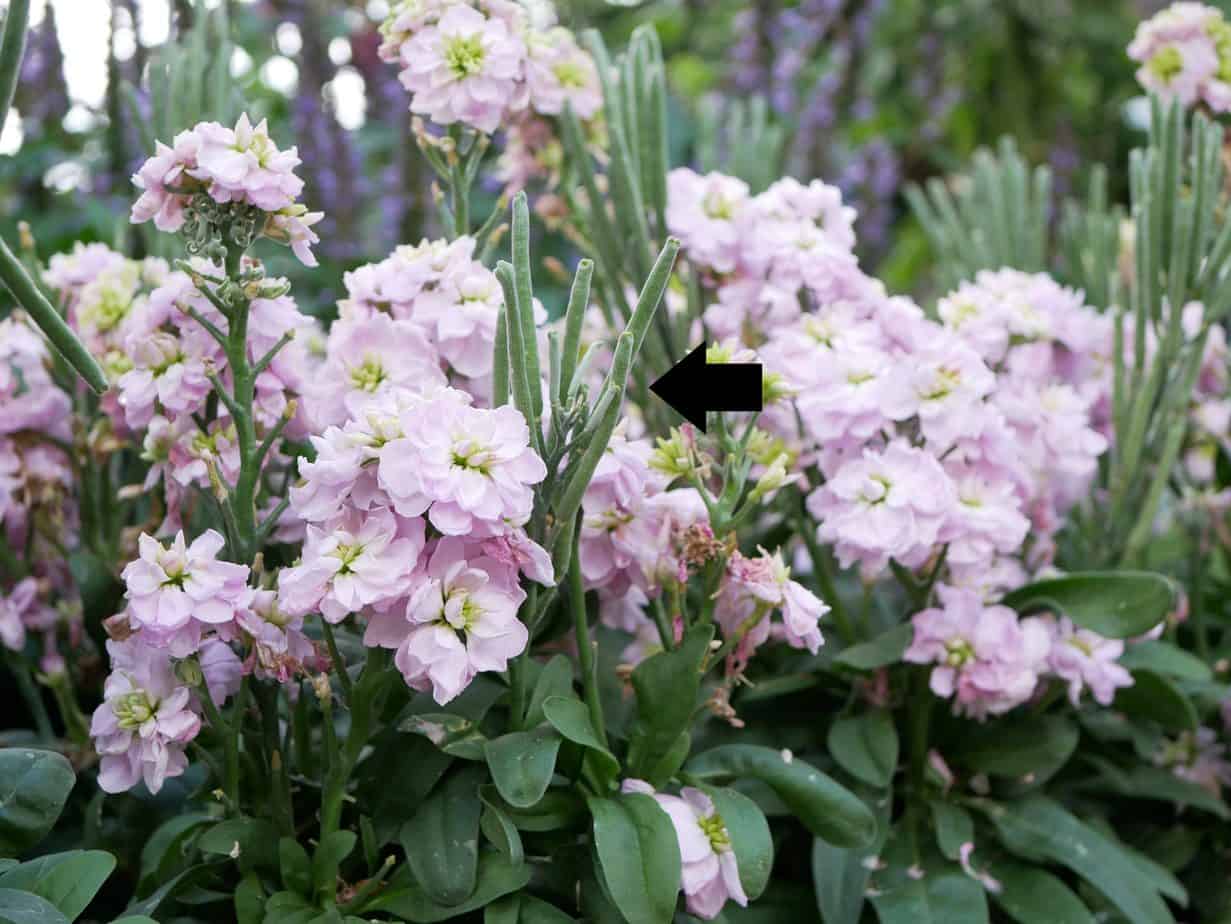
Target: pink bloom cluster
709 872
989 661
632 534
38 504
1185 54
751 589
484 63
423 316
138 319
414 509
181 602
240 165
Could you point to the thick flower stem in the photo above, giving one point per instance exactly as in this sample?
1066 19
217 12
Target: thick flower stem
279 778
230 743
30 693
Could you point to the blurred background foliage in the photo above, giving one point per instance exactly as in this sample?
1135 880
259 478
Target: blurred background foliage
868 94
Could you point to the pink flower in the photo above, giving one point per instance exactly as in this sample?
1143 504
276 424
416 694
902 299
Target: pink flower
883 505
13 609
244 165
163 179
471 469
168 373
279 649
145 720
1083 659
754 587
465 67
461 619
367 358
704 213
355 562
176 591
221 668
985 658
1185 51
709 872
463 311
559 71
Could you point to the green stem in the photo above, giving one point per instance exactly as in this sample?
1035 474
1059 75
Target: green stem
919 716
230 743
585 645
339 665
279 779
30 693
67 344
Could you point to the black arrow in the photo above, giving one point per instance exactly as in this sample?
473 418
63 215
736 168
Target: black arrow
692 386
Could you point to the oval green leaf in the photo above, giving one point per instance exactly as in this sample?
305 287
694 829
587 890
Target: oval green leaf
1115 604
866 747
522 764
34 785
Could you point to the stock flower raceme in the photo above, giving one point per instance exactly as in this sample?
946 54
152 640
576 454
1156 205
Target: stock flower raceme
242 165
146 719
178 591
483 63
709 871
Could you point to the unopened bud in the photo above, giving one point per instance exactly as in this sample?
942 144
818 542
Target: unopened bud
189 672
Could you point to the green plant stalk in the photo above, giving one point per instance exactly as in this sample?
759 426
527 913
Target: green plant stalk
585 644
30 693
279 778
12 50
339 665
230 743
364 709
41 311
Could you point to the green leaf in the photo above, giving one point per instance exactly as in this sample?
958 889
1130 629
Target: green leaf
250 900
559 808
1038 828
499 829
1165 658
937 898
19 907
330 853
179 883
69 881
522 764
638 856
456 735
824 807
289 908
866 746
134 919
954 827
164 853
1115 604
1030 895
840 874
887 648
536 911
1157 699
750 838
555 679
295 865
497 877
33 787
441 839
1029 748
249 841
570 717
1146 782
667 685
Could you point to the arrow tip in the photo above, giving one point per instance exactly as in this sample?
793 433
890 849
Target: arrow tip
682 388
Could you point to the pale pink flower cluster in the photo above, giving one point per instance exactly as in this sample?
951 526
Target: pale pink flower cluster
709 872
416 500
486 63
138 319
752 589
146 720
789 236
989 661
423 316
1185 54
631 533
242 165
181 602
